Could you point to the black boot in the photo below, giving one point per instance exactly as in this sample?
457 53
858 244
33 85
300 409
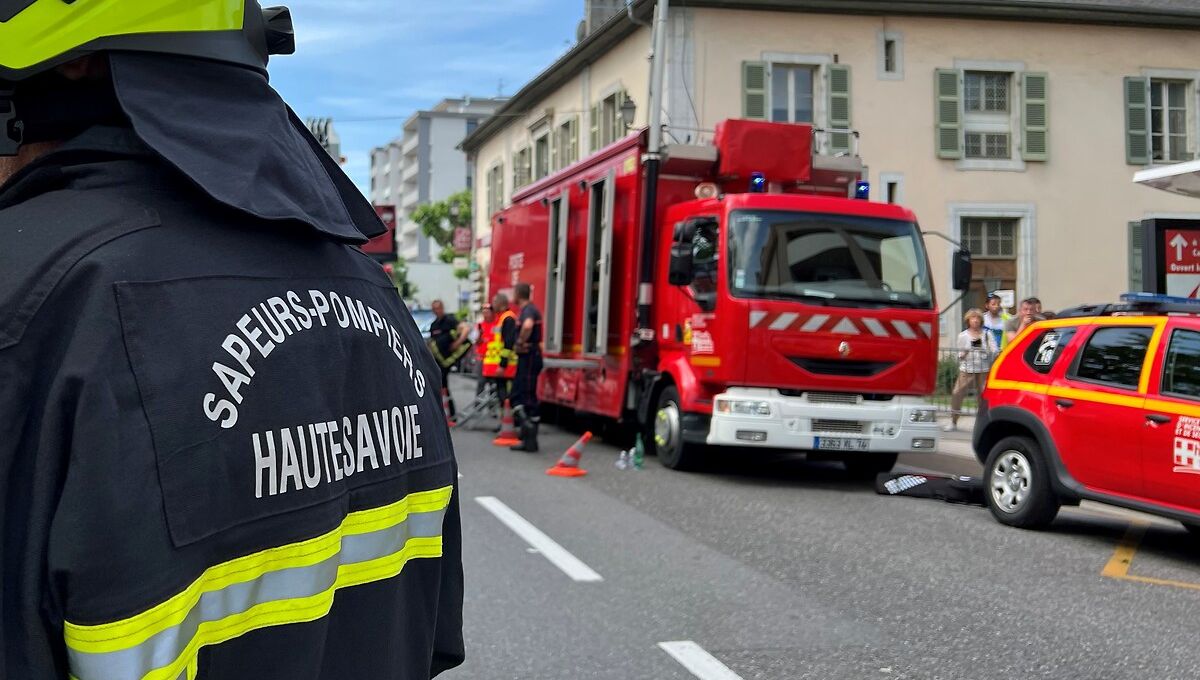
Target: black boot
529 434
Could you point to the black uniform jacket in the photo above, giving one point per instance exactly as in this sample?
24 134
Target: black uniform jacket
222 453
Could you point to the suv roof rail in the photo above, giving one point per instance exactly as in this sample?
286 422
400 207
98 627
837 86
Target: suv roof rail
1135 303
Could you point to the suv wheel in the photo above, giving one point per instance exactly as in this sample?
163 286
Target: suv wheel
1017 484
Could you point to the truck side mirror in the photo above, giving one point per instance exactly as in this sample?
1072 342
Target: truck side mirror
961 269
682 270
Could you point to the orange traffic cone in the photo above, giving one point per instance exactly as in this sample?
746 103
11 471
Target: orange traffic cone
508 430
568 465
446 406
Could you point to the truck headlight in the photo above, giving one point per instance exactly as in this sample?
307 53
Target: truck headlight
744 407
922 415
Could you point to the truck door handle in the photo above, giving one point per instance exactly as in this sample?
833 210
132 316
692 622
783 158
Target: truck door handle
1064 403
1158 419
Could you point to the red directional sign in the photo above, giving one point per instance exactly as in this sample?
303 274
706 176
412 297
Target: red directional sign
1181 257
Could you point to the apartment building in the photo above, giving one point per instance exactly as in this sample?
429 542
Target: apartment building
426 165
1012 126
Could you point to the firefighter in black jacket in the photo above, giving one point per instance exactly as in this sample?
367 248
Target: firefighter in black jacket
221 445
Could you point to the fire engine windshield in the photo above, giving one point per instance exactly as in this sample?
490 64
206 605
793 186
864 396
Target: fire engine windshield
838 259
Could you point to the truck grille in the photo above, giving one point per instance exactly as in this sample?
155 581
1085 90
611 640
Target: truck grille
846 367
839 426
832 398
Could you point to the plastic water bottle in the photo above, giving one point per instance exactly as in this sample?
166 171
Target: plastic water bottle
623 461
639 453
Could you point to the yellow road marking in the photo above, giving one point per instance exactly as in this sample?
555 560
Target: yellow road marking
1122 559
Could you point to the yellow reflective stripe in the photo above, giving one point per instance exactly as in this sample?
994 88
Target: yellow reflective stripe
1148 362
119 635
1097 397
49 28
300 610
711 362
1017 385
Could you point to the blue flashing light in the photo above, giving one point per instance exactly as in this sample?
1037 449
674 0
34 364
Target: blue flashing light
862 190
1153 298
758 183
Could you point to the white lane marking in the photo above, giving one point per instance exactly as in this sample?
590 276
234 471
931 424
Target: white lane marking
701 664
904 330
570 565
783 321
926 328
845 327
875 327
814 324
756 317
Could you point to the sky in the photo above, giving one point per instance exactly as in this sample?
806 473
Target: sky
370 64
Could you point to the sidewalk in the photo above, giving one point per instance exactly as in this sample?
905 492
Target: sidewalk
957 443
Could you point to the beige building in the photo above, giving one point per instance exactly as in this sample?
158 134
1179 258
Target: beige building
1015 126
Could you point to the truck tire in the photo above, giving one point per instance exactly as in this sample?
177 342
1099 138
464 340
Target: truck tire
1017 484
665 432
867 465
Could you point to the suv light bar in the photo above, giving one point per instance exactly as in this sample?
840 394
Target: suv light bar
1135 303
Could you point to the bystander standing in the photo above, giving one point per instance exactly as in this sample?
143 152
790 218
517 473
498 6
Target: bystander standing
1030 312
976 349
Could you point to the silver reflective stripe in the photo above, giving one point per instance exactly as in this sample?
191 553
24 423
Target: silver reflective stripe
783 321
846 327
756 317
814 324
165 648
926 328
875 327
904 330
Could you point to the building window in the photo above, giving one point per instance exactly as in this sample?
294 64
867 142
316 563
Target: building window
522 168
541 153
607 124
566 144
987 119
1168 120
792 95
990 237
495 188
889 62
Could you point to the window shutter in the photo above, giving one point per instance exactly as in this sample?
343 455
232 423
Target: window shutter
595 120
1137 121
839 107
573 142
948 113
1035 123
754 90
1136 280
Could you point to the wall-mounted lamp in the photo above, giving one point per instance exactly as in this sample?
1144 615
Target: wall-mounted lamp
628 109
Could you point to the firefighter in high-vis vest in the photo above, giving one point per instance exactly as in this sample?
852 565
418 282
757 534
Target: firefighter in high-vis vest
500 360
222 451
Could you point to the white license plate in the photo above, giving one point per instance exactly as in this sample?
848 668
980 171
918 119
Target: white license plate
843 444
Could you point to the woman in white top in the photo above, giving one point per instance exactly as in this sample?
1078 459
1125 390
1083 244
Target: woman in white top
976 349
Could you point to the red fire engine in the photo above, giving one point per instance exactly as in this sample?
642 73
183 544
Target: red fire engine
781 312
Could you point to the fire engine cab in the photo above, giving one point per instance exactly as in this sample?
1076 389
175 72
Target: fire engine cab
777 309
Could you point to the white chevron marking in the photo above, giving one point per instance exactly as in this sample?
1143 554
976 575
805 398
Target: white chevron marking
756 317
814 324
904 330
926 328
846 327
783 321
876 328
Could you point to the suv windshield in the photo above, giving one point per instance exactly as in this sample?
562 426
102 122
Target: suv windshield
827 257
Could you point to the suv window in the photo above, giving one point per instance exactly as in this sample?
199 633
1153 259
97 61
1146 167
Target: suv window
1181 372
1114 356
1047 347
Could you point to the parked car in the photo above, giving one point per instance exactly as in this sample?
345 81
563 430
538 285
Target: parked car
1101 403
424 319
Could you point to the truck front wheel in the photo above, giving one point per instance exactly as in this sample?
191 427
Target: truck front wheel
666 433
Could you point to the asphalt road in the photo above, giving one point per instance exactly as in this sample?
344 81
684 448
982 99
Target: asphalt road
779 568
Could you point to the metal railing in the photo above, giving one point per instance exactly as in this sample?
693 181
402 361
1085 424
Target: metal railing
947 375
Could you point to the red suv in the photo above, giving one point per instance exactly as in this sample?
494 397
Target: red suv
1101 403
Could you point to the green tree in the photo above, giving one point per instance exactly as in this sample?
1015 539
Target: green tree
400 278
439 220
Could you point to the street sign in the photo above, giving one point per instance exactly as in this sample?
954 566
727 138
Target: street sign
1182 262
462 241
460 263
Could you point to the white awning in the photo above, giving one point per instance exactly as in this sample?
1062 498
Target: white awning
1180 178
